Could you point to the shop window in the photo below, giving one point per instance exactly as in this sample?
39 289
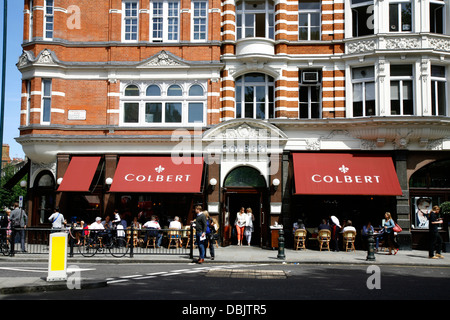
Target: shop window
434 175
437 16
363 82
400 16
44 197
363 18
309 23
255 96
164 21
310 86
402 102
130 13
245 177
255 19
438 91
164 104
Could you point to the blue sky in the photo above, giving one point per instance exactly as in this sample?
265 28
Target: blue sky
13 76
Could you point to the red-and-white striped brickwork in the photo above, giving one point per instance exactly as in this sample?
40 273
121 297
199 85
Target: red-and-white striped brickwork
333 91
228 26
286 94
227 110
332 19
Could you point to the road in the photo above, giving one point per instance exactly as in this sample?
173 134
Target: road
243 282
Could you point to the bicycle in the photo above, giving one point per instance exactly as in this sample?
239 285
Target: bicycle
4 244
98 241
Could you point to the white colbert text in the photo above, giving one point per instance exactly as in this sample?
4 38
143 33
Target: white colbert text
158 178
345 179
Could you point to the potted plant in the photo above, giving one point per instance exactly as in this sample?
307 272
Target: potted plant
445 212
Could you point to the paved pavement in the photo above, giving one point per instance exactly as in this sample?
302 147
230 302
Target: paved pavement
232 254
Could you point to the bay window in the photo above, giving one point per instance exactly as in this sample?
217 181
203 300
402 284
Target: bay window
402 101
255 19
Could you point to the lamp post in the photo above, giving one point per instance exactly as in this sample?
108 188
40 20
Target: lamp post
2 106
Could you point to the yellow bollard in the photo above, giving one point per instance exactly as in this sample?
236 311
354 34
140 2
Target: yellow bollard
57 262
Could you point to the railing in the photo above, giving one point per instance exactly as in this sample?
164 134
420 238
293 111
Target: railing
138 241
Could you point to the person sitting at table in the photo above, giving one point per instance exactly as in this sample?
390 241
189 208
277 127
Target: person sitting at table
175 223
324 225
348 227
153 227
365 234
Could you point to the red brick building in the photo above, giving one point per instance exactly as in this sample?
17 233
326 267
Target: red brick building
113 89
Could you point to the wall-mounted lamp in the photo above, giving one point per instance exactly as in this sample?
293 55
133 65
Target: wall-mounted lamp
23 184
212 184
59 181
275 184
108 181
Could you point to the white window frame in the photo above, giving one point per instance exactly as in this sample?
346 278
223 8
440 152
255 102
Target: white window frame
308 12
267 84
203 18
401 80
269 15
444 14
30 20
434 81
310 86
47 17
43 98
126 19
370 4
400 22
143 99
363 81
165 21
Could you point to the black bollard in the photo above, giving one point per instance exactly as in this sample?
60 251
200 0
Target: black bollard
370 246
281 245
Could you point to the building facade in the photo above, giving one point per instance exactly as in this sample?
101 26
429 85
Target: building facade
297 109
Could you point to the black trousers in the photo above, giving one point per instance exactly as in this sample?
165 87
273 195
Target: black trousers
435 243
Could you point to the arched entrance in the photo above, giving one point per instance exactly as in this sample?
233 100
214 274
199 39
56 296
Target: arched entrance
245 187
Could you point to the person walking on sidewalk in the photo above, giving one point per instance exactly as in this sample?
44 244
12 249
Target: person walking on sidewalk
57 220
389 233
200 233
435 237
19 219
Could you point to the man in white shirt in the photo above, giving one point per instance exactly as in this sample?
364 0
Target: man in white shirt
153 227
57 219
97 225
175 224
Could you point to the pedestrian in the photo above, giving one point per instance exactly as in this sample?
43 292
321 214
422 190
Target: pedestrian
435 237
389 236
210 234
335 229
241 220
249 226
57 220
200 233
19 220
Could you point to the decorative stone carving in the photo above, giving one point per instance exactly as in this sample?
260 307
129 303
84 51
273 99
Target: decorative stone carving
439 44
402 43
361 46
161 60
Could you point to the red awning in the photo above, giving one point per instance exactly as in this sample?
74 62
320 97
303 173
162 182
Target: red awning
158 174
79 174
345 174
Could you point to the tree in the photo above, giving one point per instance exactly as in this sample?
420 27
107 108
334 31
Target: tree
8 197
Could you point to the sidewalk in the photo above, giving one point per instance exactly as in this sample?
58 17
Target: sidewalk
231 254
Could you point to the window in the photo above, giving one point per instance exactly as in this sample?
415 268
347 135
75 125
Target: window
199 20
438 91
309 19
400 17
255 19
255 96
363 18
46 101
48 20
363 80
437 16
30 20
402 102
130 20
309 91
163 104
165 21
